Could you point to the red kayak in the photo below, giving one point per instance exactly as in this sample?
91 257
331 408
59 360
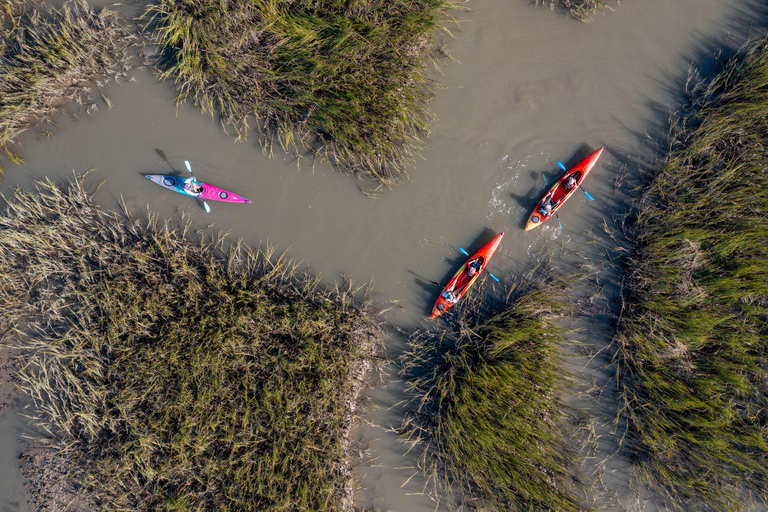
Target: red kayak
462 280
559 192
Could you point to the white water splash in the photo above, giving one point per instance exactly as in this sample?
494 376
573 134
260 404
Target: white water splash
501 202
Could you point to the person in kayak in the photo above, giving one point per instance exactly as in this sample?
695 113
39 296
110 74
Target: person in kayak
450 296
474 266
546 206
191 186
570 182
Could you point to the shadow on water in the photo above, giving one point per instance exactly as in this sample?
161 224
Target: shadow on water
530 199
525 200
429 286
162 155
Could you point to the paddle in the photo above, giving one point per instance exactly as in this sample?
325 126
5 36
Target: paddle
189 168
560 165
547 184
465 253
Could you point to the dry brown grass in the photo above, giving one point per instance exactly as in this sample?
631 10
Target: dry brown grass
49 60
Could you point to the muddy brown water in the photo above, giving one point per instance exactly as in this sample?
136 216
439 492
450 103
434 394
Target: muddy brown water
528 87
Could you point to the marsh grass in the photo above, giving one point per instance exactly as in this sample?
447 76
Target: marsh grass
49 60
487 412
178 375
340 79
9 11
692 339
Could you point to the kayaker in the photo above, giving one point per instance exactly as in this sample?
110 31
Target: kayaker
190 185
450 296
570 182
546 206
473 267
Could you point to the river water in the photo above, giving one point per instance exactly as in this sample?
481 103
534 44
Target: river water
527 87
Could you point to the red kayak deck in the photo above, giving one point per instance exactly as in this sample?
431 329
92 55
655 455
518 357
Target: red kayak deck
461 280
559 193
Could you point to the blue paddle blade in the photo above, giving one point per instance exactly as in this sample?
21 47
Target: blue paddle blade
588 196
558 221
545 179
207 208
462 251
560 165
493 277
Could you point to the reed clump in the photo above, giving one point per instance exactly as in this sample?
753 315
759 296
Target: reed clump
49 60
487 410
581 10
178 375
692 340
340 79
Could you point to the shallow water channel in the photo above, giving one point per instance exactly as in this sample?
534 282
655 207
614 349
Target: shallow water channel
527 87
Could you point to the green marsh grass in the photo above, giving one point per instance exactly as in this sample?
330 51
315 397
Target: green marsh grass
343 80
487 412
49 60
692 339
178 375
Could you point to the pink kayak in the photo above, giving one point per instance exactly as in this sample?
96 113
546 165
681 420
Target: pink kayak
209 192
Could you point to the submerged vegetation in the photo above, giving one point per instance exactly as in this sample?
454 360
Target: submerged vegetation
488 414
48 60
177 375
579 9
692 339
341 79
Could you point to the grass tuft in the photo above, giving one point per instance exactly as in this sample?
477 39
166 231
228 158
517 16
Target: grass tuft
487 410
581 10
